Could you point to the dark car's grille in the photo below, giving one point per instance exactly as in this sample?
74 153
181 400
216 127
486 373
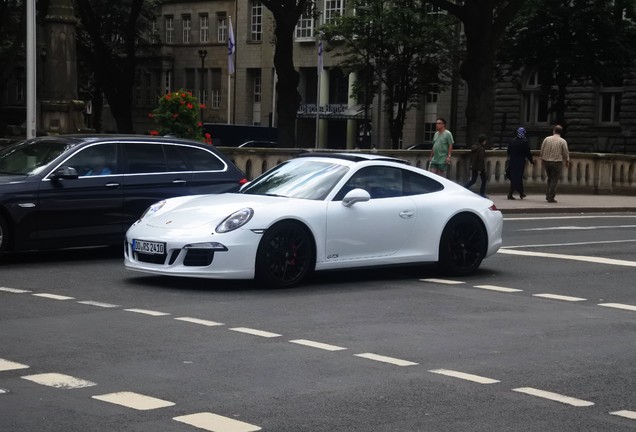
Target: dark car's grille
198 257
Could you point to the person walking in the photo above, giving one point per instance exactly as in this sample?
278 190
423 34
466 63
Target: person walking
478 164
518 153
442 149
554 153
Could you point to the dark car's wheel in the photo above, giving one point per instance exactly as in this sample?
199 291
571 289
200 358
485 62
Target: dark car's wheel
285 255
4 235
463 245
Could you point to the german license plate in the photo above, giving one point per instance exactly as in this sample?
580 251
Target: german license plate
148 247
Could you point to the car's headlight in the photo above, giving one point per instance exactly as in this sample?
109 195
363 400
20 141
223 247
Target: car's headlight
235 220
153 209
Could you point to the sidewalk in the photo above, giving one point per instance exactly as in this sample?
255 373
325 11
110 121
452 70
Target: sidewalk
536 203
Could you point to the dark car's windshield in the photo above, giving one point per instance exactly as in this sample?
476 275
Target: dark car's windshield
30 157
298 179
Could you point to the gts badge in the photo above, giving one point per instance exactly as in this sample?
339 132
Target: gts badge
332 256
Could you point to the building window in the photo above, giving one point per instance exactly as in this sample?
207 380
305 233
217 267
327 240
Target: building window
221 20
215 93
186 22
256 28
168 83
305 27
154 31
189 80
204 28
333 9
257 85
429 131
169 21
148 93
610 104
535 102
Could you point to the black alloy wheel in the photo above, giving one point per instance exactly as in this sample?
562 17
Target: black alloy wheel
463 245
285 255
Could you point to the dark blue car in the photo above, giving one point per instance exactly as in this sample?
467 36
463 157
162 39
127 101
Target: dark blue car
80 190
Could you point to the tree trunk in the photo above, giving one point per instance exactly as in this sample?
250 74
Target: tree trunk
287 85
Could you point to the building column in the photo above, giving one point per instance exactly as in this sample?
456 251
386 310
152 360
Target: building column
352 124
323 125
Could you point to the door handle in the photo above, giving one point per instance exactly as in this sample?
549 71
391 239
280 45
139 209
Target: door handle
407 214
112 185
179 181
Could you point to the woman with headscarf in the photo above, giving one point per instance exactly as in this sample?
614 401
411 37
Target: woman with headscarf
518 152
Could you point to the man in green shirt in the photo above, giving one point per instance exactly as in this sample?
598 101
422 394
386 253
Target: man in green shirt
442 149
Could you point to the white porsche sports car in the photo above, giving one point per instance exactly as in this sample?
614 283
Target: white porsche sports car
319 211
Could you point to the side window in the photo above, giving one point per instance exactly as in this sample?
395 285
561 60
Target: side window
145 158
175 158
201 160
96 160
416 184
379 181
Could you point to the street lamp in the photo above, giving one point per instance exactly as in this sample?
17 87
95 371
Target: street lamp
202 55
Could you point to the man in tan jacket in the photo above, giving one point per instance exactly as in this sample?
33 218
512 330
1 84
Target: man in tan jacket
554 153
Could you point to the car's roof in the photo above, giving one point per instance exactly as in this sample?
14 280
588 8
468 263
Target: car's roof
88 138
353 157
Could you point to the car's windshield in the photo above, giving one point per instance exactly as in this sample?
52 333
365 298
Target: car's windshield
298 179
30 157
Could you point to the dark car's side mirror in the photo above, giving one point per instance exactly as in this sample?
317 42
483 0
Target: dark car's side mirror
65 172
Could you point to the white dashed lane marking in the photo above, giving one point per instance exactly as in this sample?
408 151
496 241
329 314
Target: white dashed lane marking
318 345
498 288
59 381
216 423
199 321
559 297
53 296
98 304
596 260
14 290
442 281
147 312
553 396
6 365
464 376
255 332
385 359
134 400
619 306
627 414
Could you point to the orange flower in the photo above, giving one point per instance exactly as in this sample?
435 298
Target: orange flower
151 115
199 124
189 106
168 96
175 115
154 132
202 106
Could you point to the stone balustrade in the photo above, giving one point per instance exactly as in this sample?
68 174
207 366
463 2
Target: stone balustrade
588 173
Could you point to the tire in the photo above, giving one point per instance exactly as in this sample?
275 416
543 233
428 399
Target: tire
463 245
285 255
4 235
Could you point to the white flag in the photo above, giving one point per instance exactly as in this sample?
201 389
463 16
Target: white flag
231 48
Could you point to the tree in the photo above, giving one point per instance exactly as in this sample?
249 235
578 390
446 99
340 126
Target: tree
12 32
407 50
485 22
286 14
109 35
580 40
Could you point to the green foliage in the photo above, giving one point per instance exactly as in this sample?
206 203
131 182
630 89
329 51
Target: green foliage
178 114
401 44
567 41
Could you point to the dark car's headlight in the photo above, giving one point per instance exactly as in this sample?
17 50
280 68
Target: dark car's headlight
235 220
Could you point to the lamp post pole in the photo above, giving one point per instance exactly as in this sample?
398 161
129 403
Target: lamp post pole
202 55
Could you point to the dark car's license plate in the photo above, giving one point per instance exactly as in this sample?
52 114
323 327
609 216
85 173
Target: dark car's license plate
148 247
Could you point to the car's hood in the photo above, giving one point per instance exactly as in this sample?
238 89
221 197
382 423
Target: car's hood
199 210
12 178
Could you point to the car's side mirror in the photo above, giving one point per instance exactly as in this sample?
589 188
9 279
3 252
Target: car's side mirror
354 196
65 172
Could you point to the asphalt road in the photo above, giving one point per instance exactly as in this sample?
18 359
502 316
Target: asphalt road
542 338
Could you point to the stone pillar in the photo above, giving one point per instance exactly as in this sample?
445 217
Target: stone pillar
61 111
323 125
352 124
